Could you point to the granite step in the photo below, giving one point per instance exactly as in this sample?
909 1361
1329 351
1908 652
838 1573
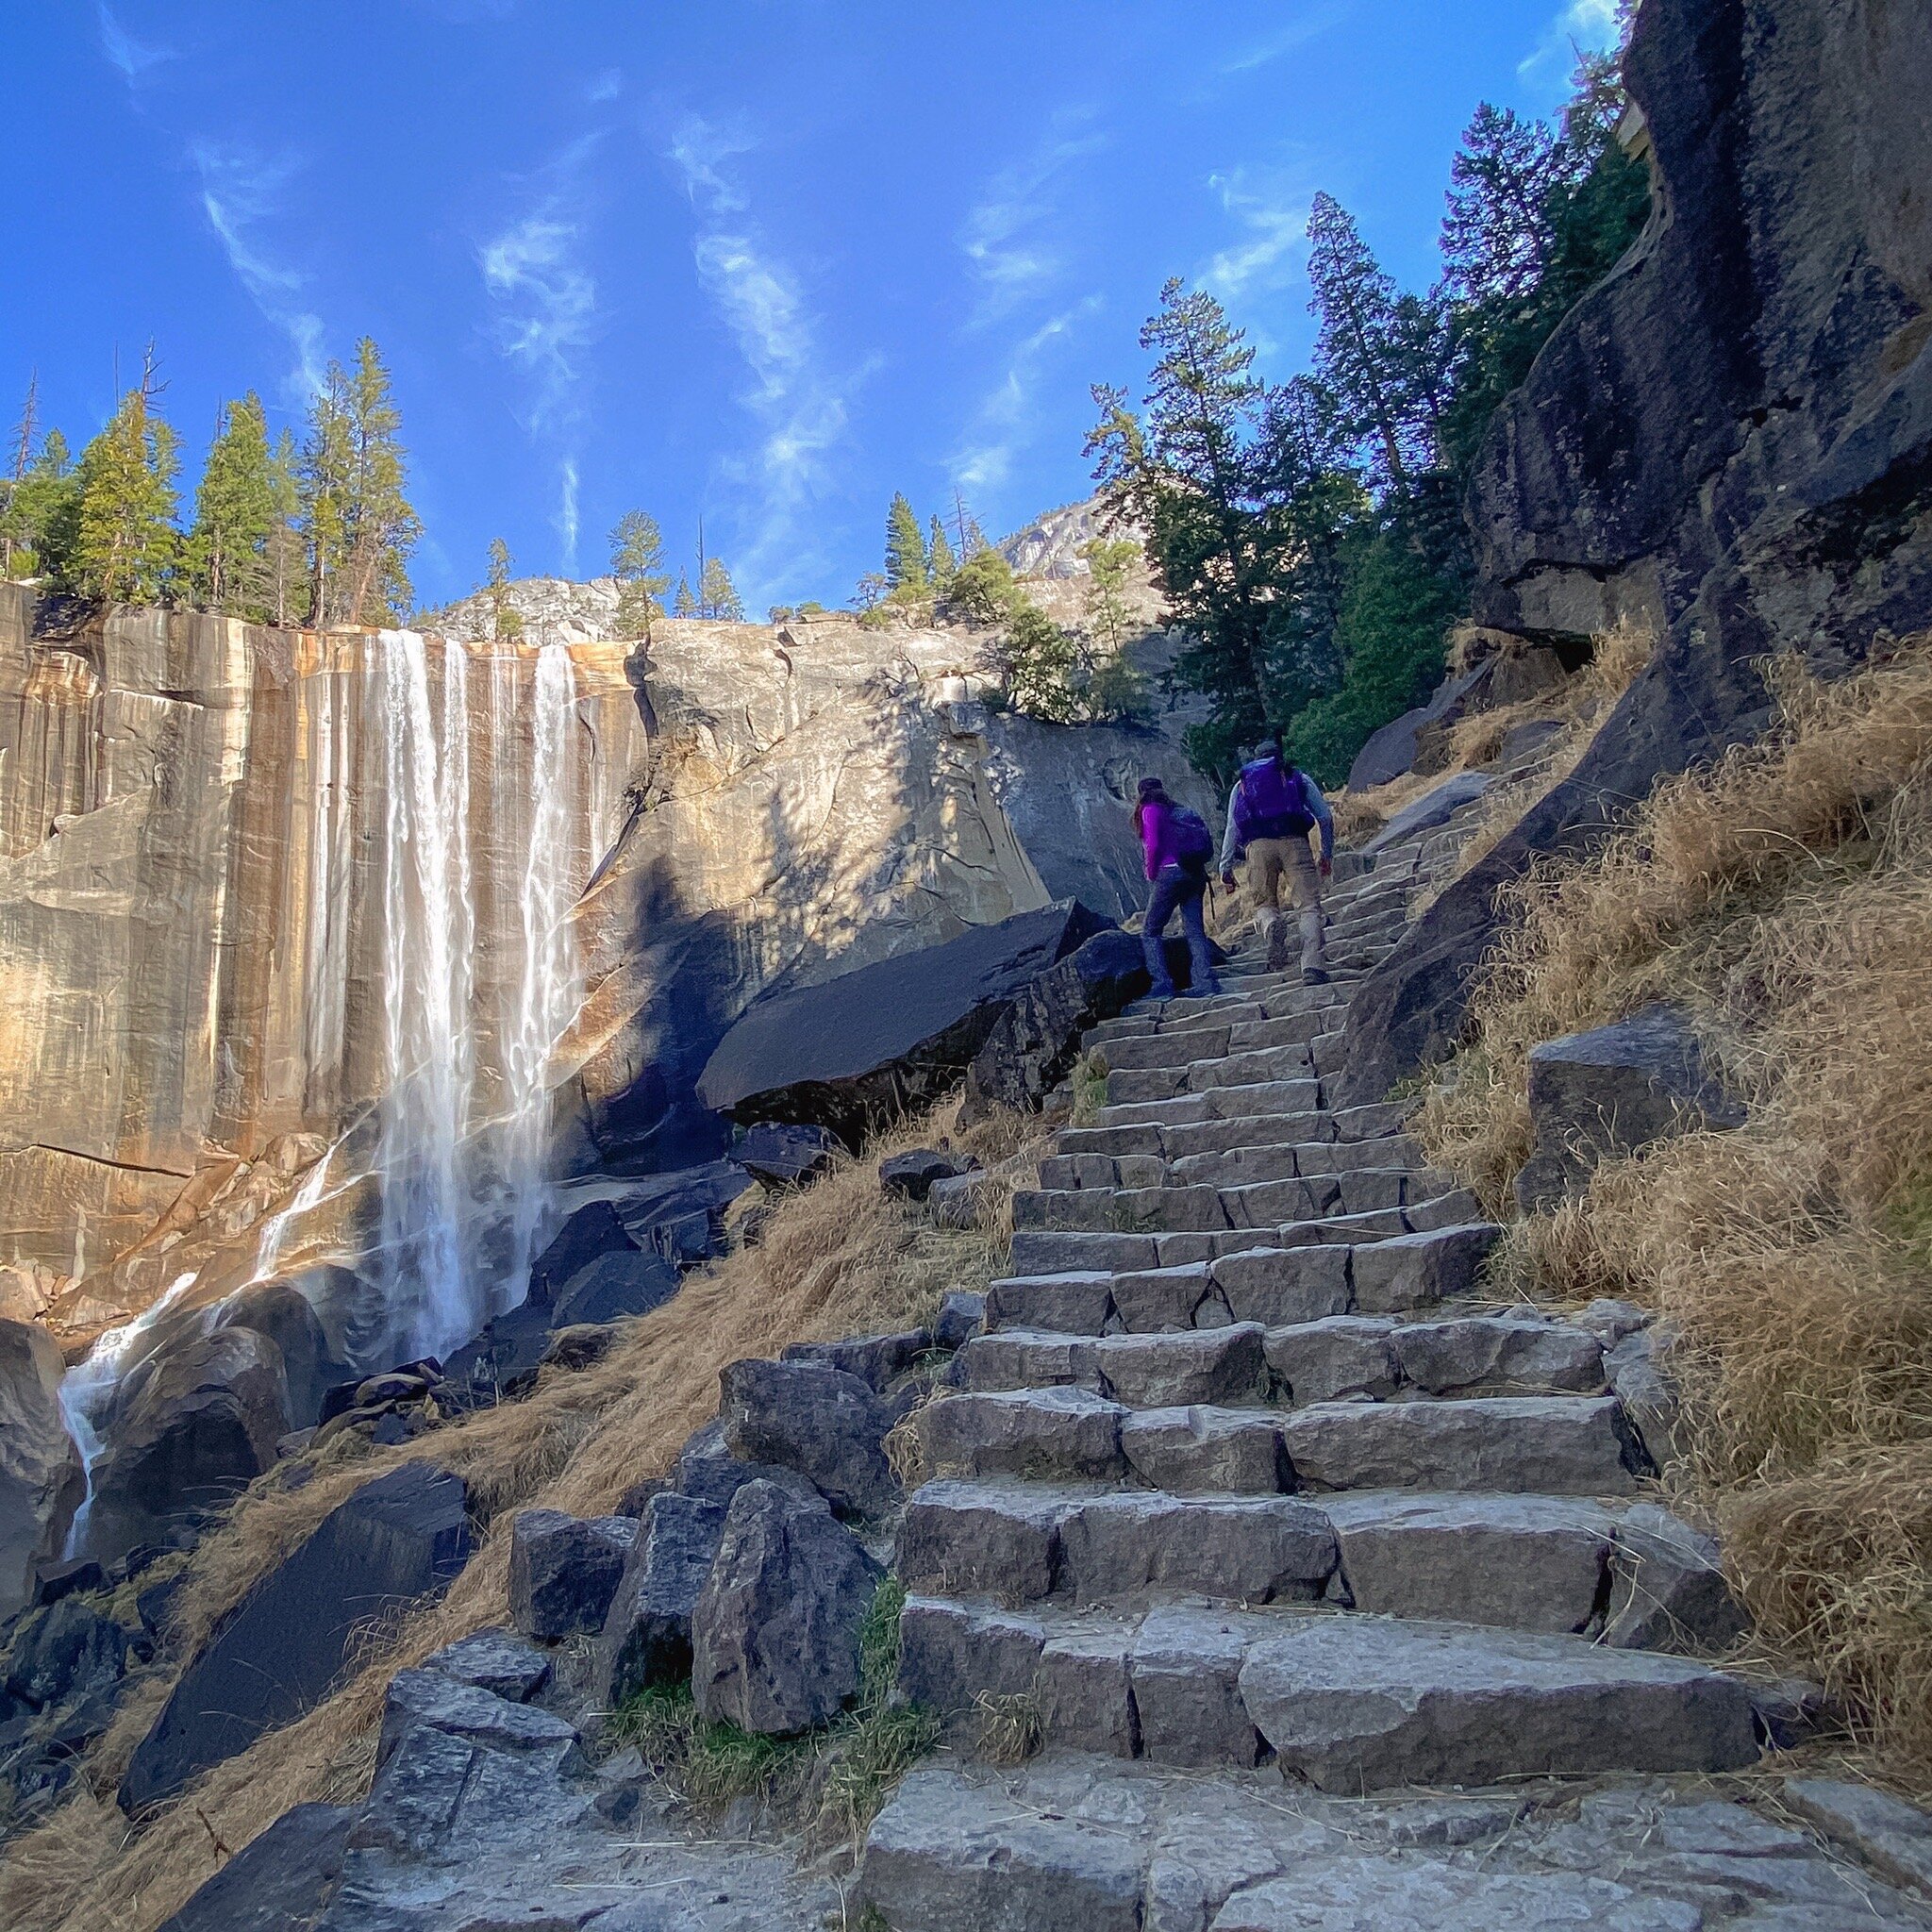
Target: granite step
1198 1076
1208 1208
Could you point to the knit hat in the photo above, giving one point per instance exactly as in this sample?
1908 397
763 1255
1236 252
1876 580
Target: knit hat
1152 788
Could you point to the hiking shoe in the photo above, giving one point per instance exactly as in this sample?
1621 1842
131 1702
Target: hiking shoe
1277 957
1314 975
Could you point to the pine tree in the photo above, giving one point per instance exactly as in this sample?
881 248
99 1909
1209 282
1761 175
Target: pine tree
939 561
11 538
717 595
982 589
226 555
282 562
43 512
637 555
381 526
126 543
969 539
1108 561
325 472
684 604
1043 666
907 564
1495 236
1355 352
506 620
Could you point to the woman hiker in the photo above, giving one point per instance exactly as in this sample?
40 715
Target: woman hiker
1178 847
1270 811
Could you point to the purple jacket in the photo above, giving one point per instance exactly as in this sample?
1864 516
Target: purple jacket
1158 833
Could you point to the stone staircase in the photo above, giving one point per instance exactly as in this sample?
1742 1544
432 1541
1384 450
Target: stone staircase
1243 1478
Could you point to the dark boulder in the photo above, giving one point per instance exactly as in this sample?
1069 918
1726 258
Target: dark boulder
194 1424
428 1699
1435 806
284 1315
784 1154
591 1232
498 1661
42 1484
869 1045
1037 1039
581 1346
708 1471
1613 1091
821 1421
66 1648
1728 442
564 1569
774 1637
503 1360
913 1174
961 1316
875 1359
1390 752
646 1639
283 1881
680 1214
629 1282
399 1539
70 1578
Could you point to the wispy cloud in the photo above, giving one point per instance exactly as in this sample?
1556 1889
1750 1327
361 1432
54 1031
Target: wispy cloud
567 514
1009 416
1273 221
603 87
1008 238
240 192
1589 26
801 405
1285 39
135 58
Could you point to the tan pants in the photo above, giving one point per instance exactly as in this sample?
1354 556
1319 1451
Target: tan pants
1269 861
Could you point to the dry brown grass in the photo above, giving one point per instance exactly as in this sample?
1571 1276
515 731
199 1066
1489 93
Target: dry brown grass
1786 898
839 1258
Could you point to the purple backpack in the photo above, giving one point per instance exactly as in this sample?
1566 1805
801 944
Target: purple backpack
1272 804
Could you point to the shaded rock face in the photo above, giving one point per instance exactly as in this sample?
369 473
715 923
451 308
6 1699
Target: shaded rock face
1729 441
402 1536
40 1481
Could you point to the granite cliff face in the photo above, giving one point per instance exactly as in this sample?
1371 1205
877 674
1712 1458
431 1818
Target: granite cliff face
1728 443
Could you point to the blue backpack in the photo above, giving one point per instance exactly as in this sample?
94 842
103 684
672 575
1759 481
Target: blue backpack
1271 803
1194 843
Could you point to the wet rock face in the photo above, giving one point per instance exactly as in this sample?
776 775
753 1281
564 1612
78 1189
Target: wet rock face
1728 443
40 1481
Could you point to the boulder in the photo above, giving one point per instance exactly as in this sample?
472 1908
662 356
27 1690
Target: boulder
875 1359
502 1359
646 1638
1668 1590
428 1699
891 1036
1035 1040
64 1649
283 1881
1893 1837
587 1234
41 1483
497 1661
564 1571
680 1214
708 1471
397 1540
623 1282
961 1316
1434 807
1614 1091
819 1421
774 1636
911 1174
1391 751
961 1201
1728 442
284 1314
1636 1370
783 1155
194 1424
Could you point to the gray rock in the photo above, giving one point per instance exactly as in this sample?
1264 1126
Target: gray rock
1084 1702
587 1234
1613 1091
1186 1672
1222 1366
282 1881
961 1316
1055 1433
1521 1562
1390 752
498 1661
1417 1270
774 1637
1064 1304
1414 1891
440 1703
969 1539
821 1421
1635 1369
1344 1356
1198 1451
933 1865
962 1200
1245 1549
623 1282
951 1655
1611 1321
194 1424
1670 1591
64 1649
875 1359
286 1317
563 1570
1027 1360
1432 808
1498 1356
1355 1703
708 1472
1893 1837
646 1638
398 1538
40 1480
911 1174
1279 1286
783 1155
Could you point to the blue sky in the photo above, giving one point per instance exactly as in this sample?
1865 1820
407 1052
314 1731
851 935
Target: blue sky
757 261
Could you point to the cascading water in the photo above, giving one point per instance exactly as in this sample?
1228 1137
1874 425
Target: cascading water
460 1162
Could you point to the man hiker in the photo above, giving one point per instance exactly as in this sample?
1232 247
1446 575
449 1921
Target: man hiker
1178 848
1270 811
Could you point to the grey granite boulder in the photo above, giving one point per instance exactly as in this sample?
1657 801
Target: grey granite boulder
646 1638
774 1636
1614 1091
708 1472
40 1479
784 1154
498 1661
283 1881
1670 1591
429 1698
911 1174
626 1281
564 1571
819 1421
63 1649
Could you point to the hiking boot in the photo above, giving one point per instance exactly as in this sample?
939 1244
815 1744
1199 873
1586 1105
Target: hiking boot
1314 975
1277 954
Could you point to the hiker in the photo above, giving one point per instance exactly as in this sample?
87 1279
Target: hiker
1270 811
1178 848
